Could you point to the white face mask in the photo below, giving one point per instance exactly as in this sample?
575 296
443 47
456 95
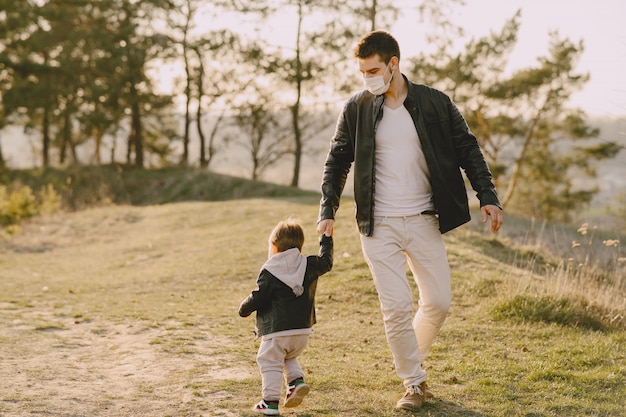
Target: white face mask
376 85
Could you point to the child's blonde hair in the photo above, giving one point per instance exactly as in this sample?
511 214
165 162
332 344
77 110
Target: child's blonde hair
287 234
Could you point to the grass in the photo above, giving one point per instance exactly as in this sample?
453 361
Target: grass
82 187
90 290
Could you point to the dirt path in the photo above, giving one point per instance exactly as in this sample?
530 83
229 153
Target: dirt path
92 368
97 319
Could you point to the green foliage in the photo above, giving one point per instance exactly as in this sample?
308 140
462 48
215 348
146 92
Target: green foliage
83 64
81 187
532 141
82 75
16 205
49 200
547 191
548 310
20 203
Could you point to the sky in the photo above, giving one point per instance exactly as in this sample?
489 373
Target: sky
598 23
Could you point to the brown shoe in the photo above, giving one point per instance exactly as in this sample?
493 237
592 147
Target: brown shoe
413 398
426 390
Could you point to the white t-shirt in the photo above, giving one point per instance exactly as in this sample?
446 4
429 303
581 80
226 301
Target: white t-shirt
401 175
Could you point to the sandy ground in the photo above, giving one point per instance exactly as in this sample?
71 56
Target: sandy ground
91 368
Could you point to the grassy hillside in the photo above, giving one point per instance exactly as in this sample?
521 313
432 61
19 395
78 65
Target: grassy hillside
125 310
85 186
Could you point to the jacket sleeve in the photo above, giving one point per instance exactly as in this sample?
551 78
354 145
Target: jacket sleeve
337 165
259 297
471 158
318 265
325 257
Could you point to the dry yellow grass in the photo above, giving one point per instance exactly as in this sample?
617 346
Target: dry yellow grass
122 310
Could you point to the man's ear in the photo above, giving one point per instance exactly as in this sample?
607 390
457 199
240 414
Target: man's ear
394 61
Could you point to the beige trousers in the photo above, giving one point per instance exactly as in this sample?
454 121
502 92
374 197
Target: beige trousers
416 240
276 357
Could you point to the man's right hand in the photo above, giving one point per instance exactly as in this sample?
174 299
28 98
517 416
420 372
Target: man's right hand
326 227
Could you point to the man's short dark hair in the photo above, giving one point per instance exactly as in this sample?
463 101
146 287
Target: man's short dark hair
377 42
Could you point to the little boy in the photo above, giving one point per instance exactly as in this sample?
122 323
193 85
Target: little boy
284 301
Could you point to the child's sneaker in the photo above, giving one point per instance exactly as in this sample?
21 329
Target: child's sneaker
296 391
269 408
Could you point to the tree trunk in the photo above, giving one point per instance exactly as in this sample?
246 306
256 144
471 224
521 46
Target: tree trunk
184 161
212 138
130 147
72 146
373 16
297 136
136 127
203 159
46 138
518 162
62 147
204 162
66 140
3 163
137 134
113 149
98 145
295 109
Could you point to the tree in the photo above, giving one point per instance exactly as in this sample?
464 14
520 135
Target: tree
207 48
3 123
319 52
68 31
368 15
30 73
187 11
300 74
531 139
217 53
263 136
135 49
304 71
79 62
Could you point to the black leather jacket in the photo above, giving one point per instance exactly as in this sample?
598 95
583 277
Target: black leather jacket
447 143
276 306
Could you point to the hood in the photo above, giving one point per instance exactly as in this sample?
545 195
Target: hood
289 267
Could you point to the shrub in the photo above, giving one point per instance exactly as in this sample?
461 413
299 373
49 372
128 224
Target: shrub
20 203
16 205
49 200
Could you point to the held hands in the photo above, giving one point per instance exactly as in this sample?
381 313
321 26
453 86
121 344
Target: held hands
494 212
326 227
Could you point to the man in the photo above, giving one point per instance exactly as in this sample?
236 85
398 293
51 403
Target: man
408 143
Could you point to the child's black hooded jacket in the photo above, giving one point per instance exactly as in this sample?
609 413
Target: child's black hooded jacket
275 300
